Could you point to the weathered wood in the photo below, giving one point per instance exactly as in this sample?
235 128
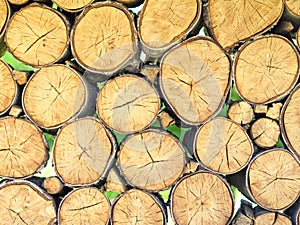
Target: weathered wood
165 119
241 112
53 185
4 15
266 69
202 198
274 111
115 182
84 206
22 148
253 18
265 132
137 207
83 150
189 74
23 202
223 146
111 49
260 108
20 76
151 160
54 95
272 218
273 179
128 104
72 5
151 72
33 31
15 111
166 24
244 215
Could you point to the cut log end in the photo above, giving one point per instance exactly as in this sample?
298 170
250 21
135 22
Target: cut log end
15 111
273 179
72 5
18 2
274 111
53 185
4 15
21 153
152 160
293 6
54 95
33 31
241 113
271 218
115 182
20 76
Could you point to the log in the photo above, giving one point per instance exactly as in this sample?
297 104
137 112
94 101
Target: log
137 207
20 76
164 25
265 132
115 182
84 206
272 218
53 185
128 104
274 111
289 122
4 16
254 18
165 119
260 109
131 3
82 152
18 2
150 72
54 95
73 5
293 6
15 111
32 33
273 179
151 160
244 215
241 112
111 49
21 153
223 146
202 198
266 69
189 73
8 87
23 202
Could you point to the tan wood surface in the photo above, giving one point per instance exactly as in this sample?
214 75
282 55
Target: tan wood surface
293 6
18 2
241 112
4 15
115 182
271 218
72 5
53 185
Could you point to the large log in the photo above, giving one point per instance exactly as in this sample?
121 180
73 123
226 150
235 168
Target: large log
4 15
72 5
272 218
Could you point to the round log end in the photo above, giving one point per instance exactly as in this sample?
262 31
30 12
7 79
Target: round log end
271 218
18 2
241 113
293 6
53 185
72 5
4 15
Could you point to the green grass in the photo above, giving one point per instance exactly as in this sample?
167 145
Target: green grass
16 64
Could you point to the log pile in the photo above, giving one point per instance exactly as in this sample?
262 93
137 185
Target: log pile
133 112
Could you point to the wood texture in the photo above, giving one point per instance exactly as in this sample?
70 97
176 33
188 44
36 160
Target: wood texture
72 5
53 185
271 218
115 182
54 95
82 151
151 160
84 206
33 31
241 112
22 148
293 6
128 104
137 207
223 146
18 2
189 74
273 179
4 15
266 69
253 17
202 198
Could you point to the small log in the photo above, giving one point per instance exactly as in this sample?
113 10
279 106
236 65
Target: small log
84 206
72 5
53 185
265 132
4 15
289 122
21 153
266 69
111 49
23 202
37 35
15 111
253 18
137 207
131 3
241 112
244 215
82 152
20 76
165 119
272 218
151 160
260 109
8 87
202 198
166 24
223 146
188 75
115 182
128 104
151 72
274 111
53 95
273 179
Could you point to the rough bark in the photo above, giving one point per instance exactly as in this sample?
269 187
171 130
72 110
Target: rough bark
241 112
53 185
72 5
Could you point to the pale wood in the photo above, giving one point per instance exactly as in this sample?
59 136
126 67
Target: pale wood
20 76
273 179
265 132
151 72
15 111
113 47
115 182
128 104
223 146
82 151
54 95
4 15
274 111
151 160
271 218
260 108
290 122
191 167
137 207
22 148
8 87
241 112
53 185
293 6
165 119
22 202
84 206
37 35
244 215
266 69
72 5
253 17
202 198
163 25
18 2
131 3
190 73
